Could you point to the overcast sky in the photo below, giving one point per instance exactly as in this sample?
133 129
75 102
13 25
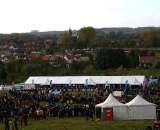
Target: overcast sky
43 15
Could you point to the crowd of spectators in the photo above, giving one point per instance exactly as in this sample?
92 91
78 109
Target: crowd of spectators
18 107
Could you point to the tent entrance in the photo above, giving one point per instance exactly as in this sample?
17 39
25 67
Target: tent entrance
108 114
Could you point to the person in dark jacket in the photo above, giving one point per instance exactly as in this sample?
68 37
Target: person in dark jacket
16 123
6 124
26 112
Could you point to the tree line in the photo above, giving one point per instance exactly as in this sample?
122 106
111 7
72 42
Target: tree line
86 37
89 37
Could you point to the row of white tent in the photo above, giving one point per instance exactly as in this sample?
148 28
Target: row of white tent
138 108
88 80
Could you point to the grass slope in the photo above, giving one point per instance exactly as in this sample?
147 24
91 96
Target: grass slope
82 124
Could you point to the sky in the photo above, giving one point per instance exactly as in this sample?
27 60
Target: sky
47 15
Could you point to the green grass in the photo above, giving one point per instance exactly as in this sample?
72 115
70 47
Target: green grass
83 124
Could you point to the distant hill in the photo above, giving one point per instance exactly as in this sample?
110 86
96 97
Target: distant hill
125 29
48 33
100 31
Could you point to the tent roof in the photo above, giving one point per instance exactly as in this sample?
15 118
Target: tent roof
111 101
139 101
92 80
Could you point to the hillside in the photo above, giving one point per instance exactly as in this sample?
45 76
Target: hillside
125 30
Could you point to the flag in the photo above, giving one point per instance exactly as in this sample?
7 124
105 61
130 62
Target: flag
50 83
145 83
47 82
107 85
152 81
56 92
70 83
126 85
86 83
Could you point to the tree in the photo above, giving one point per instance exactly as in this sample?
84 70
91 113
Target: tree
89 70
87 35
150 38
40 68
133 58
65 40
3 73
110 58
79 66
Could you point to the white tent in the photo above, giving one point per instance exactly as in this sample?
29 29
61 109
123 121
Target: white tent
139 108
119 110
92 80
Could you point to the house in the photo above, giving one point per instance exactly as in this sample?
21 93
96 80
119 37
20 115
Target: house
147 58
73 34
35 53
56 60
4 58
45 58
69 58
22 58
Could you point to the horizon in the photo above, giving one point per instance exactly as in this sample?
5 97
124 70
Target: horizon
39 31
47 15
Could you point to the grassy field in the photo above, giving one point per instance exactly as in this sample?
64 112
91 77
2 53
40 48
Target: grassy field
82 124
